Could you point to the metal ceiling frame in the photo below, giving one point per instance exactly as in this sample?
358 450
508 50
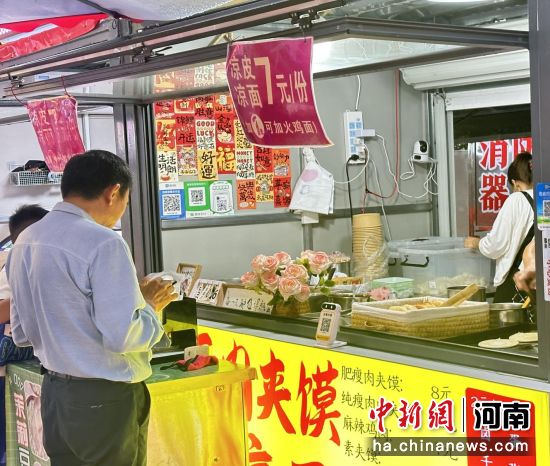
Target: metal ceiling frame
142 44
475 42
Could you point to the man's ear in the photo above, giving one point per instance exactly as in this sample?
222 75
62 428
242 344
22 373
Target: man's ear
110 193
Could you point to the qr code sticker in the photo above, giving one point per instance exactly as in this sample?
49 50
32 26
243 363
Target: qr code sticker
196 197
171 204
325 325
546 206
221 204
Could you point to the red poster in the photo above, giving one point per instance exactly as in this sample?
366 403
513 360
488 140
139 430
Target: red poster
185 129
220 73
166 135
282 191
522 145
204 107
223 103
491 408
224 128
56 127
185 106
263 159
226 159
272 87
246 194
165 82
281 162
184 79
164 109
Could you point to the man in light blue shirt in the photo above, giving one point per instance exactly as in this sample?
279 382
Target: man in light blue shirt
76 299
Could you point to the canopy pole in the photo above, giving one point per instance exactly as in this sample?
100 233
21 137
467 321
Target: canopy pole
114 14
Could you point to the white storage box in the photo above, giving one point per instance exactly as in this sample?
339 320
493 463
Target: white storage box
394 266
434 268
434 323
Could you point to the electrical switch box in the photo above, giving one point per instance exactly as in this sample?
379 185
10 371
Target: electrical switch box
353 125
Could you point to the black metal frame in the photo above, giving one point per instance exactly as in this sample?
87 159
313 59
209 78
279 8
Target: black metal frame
476 41
143 43
379 341
539 30
134 130
288 217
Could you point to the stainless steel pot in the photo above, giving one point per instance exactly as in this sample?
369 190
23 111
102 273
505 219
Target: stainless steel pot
342 267
503 314
480 296
316 300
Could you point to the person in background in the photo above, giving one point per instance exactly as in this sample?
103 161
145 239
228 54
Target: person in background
526 279
512 231
23 217
76 299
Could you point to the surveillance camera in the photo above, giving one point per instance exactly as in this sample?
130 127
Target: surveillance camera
420 151
420 147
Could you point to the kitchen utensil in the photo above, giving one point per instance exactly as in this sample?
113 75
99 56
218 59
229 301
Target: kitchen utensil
461 296
316 300
503 314
345 300
480 296
526 303
341 267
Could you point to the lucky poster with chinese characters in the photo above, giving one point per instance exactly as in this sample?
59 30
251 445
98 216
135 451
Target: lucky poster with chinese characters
310 407
491 160
271 83
200 139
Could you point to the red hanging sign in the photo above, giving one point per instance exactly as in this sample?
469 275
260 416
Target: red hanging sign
272 89
55 124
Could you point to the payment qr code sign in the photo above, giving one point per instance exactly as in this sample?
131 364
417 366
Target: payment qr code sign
197 196
172 204
325 325
197 199
543 206
221 198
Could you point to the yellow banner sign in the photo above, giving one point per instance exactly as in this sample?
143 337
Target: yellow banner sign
312 407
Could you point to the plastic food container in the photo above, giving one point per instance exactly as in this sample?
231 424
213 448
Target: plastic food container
402 287
394 265
434 268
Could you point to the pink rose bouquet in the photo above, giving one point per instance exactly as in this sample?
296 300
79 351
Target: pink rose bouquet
285 279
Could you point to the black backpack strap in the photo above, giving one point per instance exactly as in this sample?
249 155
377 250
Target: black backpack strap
530 235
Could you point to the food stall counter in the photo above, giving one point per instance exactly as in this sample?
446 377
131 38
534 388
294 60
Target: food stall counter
197 417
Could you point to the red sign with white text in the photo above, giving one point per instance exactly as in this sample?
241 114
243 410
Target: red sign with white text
55 124
491 416
272 88
492 160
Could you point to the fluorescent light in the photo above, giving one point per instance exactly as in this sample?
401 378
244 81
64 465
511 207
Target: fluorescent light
322 51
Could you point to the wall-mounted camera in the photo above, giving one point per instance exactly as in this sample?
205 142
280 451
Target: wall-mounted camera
420 152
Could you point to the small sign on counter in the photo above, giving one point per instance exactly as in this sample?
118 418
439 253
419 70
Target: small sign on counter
237 297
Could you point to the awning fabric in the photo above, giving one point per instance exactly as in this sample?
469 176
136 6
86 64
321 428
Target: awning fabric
24 16
45 39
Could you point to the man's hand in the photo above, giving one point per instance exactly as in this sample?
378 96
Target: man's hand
472 242
526 279
158 293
